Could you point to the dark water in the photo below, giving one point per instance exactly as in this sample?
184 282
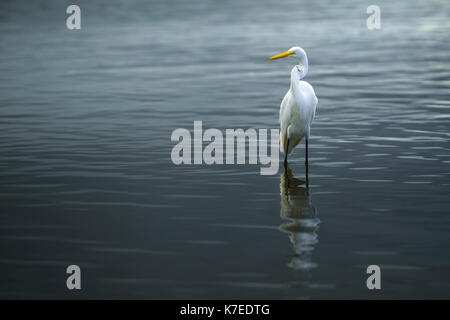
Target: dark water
86 176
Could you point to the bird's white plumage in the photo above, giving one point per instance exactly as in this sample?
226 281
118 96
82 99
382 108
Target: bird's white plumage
298 107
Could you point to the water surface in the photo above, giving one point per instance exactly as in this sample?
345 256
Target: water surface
86 176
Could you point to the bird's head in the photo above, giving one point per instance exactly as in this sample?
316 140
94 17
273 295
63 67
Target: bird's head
294 52
297 53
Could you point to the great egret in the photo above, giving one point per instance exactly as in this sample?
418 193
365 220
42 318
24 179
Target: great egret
298 107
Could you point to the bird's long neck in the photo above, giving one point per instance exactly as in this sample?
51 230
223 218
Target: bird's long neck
303 66
299 71
297 74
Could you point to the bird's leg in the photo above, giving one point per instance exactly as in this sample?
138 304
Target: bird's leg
285 155
306 162
306 152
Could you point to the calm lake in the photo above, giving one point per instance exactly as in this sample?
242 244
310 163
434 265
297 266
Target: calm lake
86 176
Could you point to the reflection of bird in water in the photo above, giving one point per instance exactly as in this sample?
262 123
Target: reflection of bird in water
302 222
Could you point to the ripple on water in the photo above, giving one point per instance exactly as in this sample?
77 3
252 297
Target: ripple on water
85 149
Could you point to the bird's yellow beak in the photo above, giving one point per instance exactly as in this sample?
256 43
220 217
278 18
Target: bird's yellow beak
283 55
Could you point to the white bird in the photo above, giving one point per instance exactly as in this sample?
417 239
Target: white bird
298 107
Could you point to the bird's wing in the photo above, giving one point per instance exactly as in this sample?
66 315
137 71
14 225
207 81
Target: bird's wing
285 119
306 100
291 123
